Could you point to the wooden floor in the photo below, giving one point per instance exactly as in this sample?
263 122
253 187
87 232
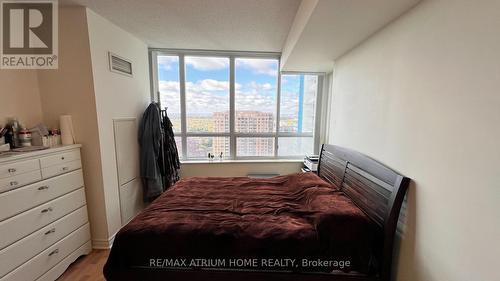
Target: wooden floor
87 268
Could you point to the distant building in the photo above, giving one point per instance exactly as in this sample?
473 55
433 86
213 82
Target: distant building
246 122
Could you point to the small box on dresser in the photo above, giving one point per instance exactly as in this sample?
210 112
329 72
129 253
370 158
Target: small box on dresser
43 213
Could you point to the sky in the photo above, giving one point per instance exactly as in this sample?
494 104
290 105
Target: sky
207 86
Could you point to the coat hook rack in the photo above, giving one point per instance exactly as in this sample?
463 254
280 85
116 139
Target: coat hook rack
164 111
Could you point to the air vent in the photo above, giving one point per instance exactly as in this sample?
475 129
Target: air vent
120 65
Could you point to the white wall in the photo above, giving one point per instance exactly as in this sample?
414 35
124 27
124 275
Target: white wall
84 87
69 90
19 97
423 97
117 96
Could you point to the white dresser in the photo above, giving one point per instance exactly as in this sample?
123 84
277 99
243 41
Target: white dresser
43 213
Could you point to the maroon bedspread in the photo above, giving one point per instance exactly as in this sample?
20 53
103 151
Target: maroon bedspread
223 222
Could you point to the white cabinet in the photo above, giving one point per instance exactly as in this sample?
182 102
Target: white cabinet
43 213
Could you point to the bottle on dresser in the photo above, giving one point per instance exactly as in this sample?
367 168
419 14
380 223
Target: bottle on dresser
24 137
11 137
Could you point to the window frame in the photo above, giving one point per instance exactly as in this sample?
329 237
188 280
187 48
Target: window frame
232 134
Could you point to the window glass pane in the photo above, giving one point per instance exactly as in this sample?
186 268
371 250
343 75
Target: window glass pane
207 93
168 86
178 143
199 147
255 95
295 146
255 146
298 103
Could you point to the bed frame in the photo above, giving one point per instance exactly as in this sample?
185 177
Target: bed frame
377 190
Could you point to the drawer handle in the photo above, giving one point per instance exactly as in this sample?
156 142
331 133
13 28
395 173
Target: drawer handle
43 187
65 168
12 170
54 252
49 209
62 158
14 183
50 231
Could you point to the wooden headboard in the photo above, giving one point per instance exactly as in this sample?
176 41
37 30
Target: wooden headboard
376 189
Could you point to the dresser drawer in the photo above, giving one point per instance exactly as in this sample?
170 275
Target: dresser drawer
60 158
23 224
61 267
61 169
19 180
24 198
16 168
28 247
39 264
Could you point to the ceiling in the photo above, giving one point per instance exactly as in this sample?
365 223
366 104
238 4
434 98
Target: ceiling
242 25
311 34
324 30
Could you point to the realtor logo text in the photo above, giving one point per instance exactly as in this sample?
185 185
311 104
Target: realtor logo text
29 34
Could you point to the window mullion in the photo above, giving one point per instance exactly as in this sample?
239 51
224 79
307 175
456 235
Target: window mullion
232 113
278 101
155 82
182 87
317 119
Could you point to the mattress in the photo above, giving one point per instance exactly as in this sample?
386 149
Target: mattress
296 222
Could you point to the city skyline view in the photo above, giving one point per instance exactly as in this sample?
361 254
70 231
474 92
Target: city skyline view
256 84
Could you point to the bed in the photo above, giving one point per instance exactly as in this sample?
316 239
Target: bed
336 225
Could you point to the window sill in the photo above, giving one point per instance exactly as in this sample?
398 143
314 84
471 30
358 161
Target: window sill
228 161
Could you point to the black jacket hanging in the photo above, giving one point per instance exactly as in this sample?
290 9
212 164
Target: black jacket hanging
151 152
171 155
159 159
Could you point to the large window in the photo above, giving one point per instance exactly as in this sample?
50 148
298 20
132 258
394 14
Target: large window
207 93
237 106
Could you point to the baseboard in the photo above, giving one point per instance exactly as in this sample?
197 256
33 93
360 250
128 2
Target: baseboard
103 243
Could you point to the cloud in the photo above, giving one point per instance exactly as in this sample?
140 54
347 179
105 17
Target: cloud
207 63
255 102
256 88
169 96
259 66
208 85
166 62
169 86
202 97
289 104
256 97
207 96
